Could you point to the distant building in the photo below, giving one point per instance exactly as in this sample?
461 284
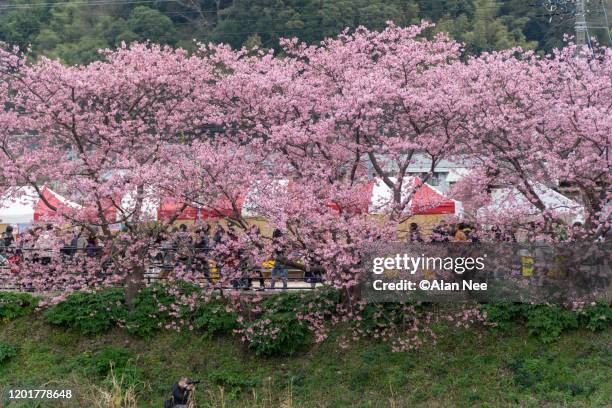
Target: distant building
445 173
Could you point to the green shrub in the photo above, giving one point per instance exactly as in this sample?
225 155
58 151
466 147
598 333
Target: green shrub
322 300
7 351
184 287
160 305
277 334
547 322
152 308
377 317
212 318
89 312
596 317
279 330
100 362
502 315
98 311
284 302
13 305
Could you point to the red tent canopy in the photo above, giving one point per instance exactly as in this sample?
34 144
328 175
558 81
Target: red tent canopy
372 197
222 208
427 201
360 203
169 207
41 210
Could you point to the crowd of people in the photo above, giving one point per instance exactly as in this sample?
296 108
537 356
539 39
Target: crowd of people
205 251
444 232
208 250
469 232
41 243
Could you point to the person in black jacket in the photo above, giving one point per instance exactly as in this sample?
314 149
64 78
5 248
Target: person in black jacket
280 258
202 249
7 237
414 235
181 393
440 233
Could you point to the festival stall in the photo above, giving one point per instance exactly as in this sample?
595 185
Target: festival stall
512 202
427 205
22 206
169 207
425 200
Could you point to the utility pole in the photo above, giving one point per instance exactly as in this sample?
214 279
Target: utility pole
580 24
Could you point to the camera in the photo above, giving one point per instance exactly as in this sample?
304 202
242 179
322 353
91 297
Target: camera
193 382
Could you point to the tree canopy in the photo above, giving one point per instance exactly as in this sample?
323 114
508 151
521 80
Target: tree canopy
73 31
302 137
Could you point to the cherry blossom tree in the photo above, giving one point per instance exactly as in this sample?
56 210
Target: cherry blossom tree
358 105
101 132
330 117
535 120
303 134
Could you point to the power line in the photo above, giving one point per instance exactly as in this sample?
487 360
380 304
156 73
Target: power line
605 12
582 31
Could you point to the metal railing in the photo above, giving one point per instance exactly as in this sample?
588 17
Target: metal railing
164 264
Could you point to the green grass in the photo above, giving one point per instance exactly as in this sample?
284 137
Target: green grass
465 369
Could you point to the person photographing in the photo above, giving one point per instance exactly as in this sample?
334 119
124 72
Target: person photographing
182 393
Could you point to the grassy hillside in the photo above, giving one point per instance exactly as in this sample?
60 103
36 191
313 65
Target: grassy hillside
466 368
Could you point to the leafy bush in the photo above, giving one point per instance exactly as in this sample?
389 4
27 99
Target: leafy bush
212 318
547 322
280 334
322 301
100 362
596 316
502 315
151 313
7 351
281 329
161 305
154 308
89 312
377 319
98 311
13 305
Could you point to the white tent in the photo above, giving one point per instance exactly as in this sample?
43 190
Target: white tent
149 207
426 200
511 200
17 205
22 205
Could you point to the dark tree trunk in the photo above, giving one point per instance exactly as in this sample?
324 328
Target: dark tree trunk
134 283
